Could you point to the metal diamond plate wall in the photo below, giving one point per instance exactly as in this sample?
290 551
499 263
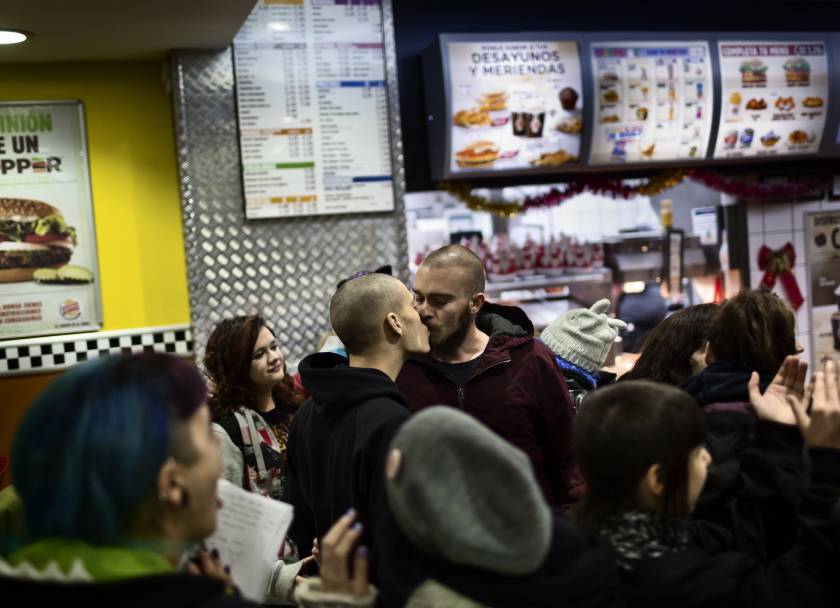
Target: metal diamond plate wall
285 268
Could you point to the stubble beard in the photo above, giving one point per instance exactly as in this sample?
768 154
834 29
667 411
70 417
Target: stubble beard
447 346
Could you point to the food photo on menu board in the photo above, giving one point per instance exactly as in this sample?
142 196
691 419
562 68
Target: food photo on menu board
773 98
514 105
653 101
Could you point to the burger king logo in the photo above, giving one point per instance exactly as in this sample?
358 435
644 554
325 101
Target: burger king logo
70 309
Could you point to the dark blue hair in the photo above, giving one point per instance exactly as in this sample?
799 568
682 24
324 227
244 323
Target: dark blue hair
89 448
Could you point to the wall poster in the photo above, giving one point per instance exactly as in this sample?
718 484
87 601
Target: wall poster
822 233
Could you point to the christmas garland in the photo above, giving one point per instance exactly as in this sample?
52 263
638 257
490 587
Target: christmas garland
617 188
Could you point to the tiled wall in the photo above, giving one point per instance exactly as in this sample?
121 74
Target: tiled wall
774 224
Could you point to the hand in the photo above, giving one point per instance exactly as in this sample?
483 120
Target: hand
207 563
822 429
316 552
335 550
788 384
303 566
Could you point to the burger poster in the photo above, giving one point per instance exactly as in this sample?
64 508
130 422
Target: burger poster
822 234
514 105
653 101
774 97
48 266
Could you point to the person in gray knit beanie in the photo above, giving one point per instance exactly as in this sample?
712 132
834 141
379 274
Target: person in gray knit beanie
580 340
463 494
583 336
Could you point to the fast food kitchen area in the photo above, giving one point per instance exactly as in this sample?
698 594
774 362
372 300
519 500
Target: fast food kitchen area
166 165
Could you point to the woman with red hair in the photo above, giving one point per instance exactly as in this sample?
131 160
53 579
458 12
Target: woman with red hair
252 400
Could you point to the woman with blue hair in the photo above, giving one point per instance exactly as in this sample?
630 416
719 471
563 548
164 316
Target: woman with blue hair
116 466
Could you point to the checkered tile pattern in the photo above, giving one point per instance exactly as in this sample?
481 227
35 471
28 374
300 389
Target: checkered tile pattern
60 352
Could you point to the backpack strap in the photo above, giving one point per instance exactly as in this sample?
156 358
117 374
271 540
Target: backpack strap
232 428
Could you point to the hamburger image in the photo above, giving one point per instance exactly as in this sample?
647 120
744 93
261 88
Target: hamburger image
753 73
797 72
480 153
494 101
33 235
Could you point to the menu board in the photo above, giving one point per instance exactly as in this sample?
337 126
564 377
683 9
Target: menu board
822 236
514 105
653 101
49 277
313 108
773 99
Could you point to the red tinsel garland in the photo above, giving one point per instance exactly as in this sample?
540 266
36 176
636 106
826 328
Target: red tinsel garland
617 188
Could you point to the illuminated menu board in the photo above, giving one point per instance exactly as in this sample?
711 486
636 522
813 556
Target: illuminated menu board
313 108
653 101
514 105
774 97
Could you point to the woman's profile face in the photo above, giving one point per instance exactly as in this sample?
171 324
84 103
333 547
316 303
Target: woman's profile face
698 465
698 359
201 475
267 364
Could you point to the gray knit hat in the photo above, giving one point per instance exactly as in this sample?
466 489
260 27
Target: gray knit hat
464 494
583 336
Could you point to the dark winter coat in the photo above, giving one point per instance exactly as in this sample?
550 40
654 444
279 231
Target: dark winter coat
516 390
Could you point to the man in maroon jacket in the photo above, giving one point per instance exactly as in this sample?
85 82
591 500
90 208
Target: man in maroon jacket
484 360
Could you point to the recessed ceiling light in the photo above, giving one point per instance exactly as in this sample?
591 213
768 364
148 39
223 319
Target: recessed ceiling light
12 36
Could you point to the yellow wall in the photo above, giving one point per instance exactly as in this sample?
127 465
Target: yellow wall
136 200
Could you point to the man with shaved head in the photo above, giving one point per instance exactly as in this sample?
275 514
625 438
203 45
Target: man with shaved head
339 437
484 360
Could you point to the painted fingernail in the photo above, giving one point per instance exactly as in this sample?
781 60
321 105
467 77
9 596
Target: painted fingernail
356 526
362 552
215 553
350 511
227 569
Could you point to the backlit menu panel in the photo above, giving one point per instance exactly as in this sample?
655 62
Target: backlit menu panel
773 100
653 101
313 108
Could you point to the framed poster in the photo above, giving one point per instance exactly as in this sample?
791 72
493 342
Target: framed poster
313 109
653 101
774 97
48 264
822 234
515 105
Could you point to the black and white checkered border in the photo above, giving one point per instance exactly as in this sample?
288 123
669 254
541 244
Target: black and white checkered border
60 352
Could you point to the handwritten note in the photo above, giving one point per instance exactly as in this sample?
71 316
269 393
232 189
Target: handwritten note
249 532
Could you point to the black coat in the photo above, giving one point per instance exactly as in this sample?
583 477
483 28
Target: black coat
160 591
760 513
337 446
711 573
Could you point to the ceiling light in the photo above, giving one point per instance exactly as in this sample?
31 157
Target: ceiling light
12 36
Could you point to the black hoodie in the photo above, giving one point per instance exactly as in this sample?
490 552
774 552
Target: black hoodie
337 445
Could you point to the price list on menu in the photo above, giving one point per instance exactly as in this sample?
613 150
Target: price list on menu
653 101
313 109
774 98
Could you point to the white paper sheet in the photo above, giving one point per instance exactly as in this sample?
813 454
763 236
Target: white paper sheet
249 532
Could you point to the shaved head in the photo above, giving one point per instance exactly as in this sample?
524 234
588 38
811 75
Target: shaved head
359 307
461 258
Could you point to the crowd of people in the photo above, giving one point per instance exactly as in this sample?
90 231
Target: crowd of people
438 453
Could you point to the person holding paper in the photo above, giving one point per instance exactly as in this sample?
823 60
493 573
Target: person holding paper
116 466
339 437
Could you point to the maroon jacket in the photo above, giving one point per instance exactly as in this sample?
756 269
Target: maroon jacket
516 390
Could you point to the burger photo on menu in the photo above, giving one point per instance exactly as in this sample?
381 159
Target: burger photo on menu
33 235
753 73
812 102
482 153
797 72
